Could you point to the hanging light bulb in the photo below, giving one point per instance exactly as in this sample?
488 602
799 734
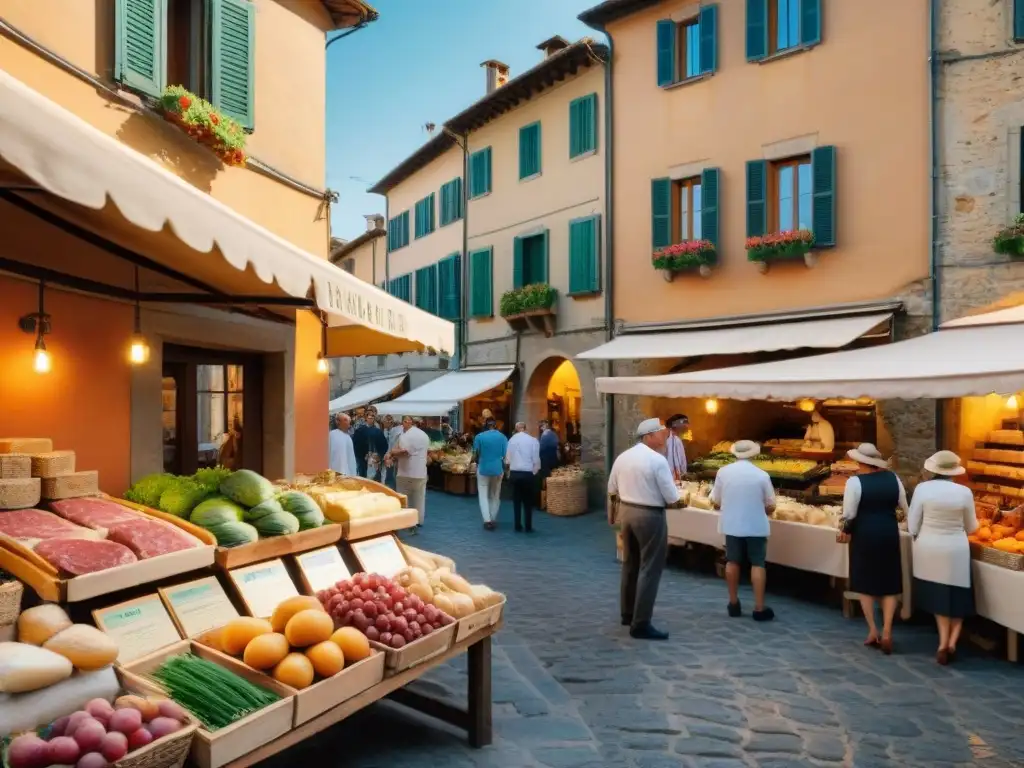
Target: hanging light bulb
41 362
321 364
1011 403
711 406
138 350
321 358
806 405
38 323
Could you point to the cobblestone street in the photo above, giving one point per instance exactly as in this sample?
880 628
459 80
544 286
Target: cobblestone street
572 690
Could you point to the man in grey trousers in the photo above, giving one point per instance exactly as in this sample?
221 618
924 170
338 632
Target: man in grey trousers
641 487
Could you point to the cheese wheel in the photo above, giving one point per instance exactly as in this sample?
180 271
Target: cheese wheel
86 647
25 667
39 624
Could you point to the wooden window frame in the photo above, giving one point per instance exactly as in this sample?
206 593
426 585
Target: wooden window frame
679 188
683 50
775 167
773 29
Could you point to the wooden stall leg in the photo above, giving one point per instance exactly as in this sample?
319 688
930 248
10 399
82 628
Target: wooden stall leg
1011 645
480 727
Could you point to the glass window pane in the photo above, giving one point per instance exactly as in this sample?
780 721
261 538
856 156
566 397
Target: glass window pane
781 24
170 423
684 212
697 207
785 198
805 189
692 50
235 378
211 427
210 378
794 23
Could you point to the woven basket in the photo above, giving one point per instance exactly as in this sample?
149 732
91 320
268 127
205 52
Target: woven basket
168 752
1009 560
566 496
10 602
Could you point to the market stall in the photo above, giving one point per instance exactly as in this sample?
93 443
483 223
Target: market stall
370 393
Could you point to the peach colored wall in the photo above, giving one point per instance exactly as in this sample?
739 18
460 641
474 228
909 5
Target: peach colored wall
83 403
566 189
290 109
864 90
311 392
366 260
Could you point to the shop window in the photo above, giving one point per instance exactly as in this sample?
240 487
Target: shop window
778 26
530 260
219 411
688 48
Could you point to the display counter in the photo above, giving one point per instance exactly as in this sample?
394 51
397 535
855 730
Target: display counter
997 597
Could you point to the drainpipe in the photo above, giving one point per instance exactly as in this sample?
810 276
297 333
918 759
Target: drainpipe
934 203
387 247
464 263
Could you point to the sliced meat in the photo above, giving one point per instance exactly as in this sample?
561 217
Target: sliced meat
149 538
33 525
92 512
75 557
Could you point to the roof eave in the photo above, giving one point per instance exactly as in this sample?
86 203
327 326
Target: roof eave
604 13
346 14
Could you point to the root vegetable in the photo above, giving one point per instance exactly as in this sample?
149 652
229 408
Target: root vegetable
89 735
114 746
172 709
163 726
64 750
28 751
139 739
126 720
92 760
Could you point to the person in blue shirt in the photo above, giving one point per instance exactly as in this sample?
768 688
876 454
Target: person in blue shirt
489 450
549 447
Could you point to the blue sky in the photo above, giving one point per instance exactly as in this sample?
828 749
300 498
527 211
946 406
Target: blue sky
419 63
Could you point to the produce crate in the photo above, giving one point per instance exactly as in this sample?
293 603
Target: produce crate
488 617
418 651
1009 560
277 546
374 525
456 484
212 749
166 752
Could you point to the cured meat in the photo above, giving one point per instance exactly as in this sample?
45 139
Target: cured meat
93 513
149 538
33 525
78 556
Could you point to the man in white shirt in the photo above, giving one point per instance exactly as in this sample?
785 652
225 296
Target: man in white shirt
410 453
745 496
523 459
641 486
341 452
820 434
675 452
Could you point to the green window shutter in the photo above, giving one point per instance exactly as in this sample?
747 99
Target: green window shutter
708 21
517 262
404 226
709 205
757 198
585 255
419 219
449 276
545 257
431 205
583 125
810 21
233 59
448 203
140 45
480 172
666 47
481 302
457 197
661 212
529 150
426 288
757 29
487 169
823 204
1018 19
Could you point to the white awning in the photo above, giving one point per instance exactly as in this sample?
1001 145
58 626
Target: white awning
998 317
822 333
365 393
438 397
78 163
959 362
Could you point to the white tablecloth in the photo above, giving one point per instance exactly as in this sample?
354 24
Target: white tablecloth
999 595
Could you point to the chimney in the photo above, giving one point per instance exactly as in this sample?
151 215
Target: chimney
497 74
374 221
553 45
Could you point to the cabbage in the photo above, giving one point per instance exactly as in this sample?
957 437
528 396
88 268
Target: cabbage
211 478
268 507
216 511
277 524
233 533
148 490
303 507
247 488
182 497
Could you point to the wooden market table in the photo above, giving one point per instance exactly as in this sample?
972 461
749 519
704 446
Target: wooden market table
997 597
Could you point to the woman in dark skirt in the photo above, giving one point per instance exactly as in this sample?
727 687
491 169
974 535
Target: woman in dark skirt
870 526
941 516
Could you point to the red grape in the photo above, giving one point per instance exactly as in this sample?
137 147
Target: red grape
415 627
323 596
421 618
360 621
345 606
334 602
347 618
373 582
383 623
370 609
372 633
430 612
357 603
427 629
397 641
399 606
399 624
367 595
385 638
382 607
410 614
349 594
408 635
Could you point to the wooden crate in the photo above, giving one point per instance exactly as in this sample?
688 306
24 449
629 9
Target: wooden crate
418 651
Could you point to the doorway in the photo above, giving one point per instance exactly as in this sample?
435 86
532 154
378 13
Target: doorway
554 393
212 410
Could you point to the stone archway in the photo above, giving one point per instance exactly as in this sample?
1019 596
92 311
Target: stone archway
555 371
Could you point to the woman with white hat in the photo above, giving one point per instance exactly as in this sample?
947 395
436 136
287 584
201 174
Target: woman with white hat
941 515
870 526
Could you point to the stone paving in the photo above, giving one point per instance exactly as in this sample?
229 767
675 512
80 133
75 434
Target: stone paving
572 690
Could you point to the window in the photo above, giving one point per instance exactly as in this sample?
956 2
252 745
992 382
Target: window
686 223
480 173
685 209
449 280
349 265
585 255
529 150
530 259
426 289
784 24
790 190
398 231
777 26
583 125
206 45
481 294
451 201
795 193
219 412
425 216
401 287
687 49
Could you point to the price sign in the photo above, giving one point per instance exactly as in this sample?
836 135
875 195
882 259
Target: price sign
263 586
380 555
322 568
198 606
139 626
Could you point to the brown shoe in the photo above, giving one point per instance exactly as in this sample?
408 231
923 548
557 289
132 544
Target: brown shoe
942 657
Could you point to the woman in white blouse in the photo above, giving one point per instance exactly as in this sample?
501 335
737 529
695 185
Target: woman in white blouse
941 516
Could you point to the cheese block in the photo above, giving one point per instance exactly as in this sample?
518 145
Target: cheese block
86 647
25 445
1006 436
72 485
15 466
21 493
40 623
53 463
25 667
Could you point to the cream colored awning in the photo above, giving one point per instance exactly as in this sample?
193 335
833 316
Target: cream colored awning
79 164
821 333
365 393
443 394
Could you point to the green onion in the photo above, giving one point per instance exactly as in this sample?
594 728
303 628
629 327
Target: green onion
216 696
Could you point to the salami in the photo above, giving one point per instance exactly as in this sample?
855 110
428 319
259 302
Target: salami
79 556
149 538
33 525
94 513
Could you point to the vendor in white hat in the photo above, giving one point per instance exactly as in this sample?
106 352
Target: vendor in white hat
642 483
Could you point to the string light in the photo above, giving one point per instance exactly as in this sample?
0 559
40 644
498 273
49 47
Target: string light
806 405
321 364
321 358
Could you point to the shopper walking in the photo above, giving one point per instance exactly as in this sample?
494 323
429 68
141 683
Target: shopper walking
640 486
941 516
675 451
745 496
870 526
392 432
370 445
342 456
524 463
410 458
489 450
549 445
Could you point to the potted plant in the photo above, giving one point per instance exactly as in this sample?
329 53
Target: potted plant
685 256
531 304
201 120
1009 241
794 244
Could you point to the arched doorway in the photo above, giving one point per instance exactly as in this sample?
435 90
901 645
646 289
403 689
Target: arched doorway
554 392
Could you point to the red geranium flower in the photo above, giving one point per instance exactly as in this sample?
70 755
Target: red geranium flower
184 102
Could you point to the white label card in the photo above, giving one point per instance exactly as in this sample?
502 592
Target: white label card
381 555
263 586
199 605
322 568
140 627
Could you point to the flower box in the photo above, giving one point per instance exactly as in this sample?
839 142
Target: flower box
781 246
685 257
532 306
1010 241
201 120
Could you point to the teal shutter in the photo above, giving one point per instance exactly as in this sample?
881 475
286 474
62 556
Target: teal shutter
585 255
529 150
233 59
583 125
757 198
419 219
666 47
457 198
757 29
481 302
487 170
517 262
823 205
449 276
431 205
480 172
661 213
1018 20
709 205
140 45
426 289
404 235
810 21
708 21
451 201
544 258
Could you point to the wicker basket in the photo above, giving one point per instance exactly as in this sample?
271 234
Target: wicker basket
167 752
566 496
1009 560
10 601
